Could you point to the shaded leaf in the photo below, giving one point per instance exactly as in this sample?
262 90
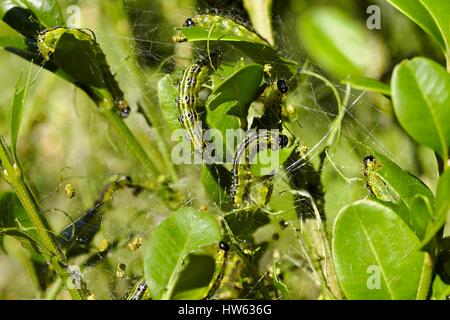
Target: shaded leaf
183 232
216 181
439 11
260 13
411 191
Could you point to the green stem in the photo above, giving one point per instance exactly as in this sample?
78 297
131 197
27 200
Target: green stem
132 142
13 175
425 279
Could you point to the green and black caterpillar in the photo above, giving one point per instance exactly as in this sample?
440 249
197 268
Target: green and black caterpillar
245 152
194 77
225 26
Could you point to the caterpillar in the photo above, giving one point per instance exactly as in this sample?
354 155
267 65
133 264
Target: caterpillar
139 292
223 25
376 184
77 236
100 84
271 100
228 279
221 263
242 178
194 76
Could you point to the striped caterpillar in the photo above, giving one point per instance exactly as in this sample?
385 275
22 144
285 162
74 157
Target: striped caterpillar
271 100
193 78
242 178
224 26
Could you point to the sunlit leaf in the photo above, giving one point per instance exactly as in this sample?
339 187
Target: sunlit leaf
183 232
376 255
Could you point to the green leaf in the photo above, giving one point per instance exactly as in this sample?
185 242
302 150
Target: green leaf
232 99
194 281
260 13
216 180
338 43
441 209
416 11
440 289
420 92
259 52
439 10
16 113
368 84
240 90
182 233
15 222
415 197
376 255
16 42
79 56
167 94
30 16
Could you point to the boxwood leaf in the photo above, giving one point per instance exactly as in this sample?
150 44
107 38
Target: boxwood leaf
338 43
416 11
376 255
183 232
420 92
167 94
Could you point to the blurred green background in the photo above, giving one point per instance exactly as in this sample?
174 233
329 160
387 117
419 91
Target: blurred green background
65 140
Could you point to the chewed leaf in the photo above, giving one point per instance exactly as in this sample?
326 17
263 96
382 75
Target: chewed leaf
77 54
167 94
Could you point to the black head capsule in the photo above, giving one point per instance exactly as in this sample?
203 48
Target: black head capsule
282 86
283 141
124 113
123 109
369 159
189 23
224 246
